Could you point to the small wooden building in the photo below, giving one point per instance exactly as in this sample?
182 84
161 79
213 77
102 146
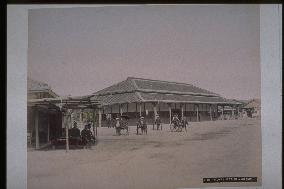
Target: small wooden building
253 108
49 120
38 90
145 97
48 113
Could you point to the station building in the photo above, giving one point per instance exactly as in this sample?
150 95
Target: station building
137 97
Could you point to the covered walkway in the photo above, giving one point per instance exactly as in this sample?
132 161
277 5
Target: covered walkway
49 117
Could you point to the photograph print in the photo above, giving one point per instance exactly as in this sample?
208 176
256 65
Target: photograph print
144 96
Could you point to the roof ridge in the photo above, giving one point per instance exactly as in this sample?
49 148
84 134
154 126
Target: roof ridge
115 84
172 82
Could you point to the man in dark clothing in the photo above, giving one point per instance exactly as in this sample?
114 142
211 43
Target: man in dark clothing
75 132
87 136
108 122
74 135
184 123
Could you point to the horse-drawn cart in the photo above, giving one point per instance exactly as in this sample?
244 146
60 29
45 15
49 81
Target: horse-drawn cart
178 126
122 124
142 125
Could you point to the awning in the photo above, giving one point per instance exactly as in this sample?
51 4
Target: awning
78 102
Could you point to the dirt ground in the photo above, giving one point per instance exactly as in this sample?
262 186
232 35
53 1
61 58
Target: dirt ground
160 160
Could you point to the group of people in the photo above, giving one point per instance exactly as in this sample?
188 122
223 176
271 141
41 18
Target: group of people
142 125
121 124
85 136
179 123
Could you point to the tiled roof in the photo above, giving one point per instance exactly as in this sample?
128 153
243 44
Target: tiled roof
242 102
34 86
148 85
255 103
157 85
37 86
123 86
146 90
117 98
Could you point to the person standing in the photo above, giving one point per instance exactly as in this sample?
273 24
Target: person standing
74 134
184 123
117 126
158 122
87 136
108 121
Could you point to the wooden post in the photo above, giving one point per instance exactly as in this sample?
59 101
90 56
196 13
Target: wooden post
140 109
100 117
238 107
81 119
182 111
170 113
36 128
185 108
120 109
210 111
94 123
222 112
197 112
67 131
67 135
48 128
136 111
155 110
233 112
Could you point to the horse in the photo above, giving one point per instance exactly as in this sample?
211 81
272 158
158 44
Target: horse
158 124
141 126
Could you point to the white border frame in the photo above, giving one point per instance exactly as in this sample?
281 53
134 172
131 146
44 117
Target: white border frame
271 76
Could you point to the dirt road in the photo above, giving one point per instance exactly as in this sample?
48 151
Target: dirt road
160 160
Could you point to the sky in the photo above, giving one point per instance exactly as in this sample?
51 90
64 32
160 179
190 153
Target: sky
78 51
